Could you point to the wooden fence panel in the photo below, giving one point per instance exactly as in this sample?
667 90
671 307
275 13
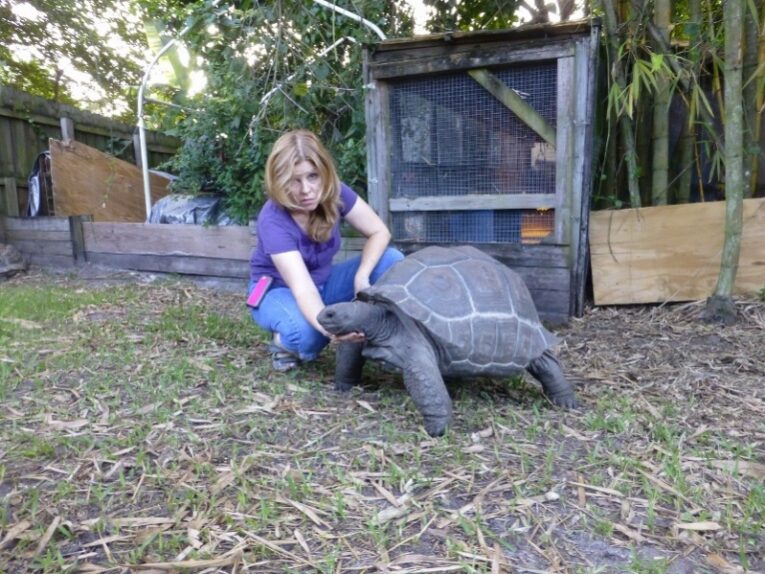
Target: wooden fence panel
44 241
184 249
225 242
210 252
671 253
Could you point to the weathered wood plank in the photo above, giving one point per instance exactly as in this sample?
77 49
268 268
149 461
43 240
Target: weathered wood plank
466 61
563 163
514 103
181 264
377 115
38 235
36 224
513 255
76 236
48 260
48 112
475 201
89 182
671 253
584 159
226 242
552 306
7 147
11 196
39 247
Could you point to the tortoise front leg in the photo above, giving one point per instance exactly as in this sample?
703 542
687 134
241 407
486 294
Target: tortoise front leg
348 366
427 389
546 369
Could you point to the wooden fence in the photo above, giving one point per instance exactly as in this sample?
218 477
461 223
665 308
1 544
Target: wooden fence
27 122
196 250
672 252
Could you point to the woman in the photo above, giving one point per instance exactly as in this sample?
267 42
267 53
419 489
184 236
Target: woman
298 232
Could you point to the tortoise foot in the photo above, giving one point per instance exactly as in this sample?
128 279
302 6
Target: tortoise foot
566 400
344 386
435 428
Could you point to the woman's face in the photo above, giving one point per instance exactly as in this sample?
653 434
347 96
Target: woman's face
305 186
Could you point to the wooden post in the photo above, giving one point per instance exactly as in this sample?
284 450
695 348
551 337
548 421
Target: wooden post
78 237
11 197
67 129
137 149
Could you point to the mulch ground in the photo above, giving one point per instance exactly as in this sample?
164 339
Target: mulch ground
656 472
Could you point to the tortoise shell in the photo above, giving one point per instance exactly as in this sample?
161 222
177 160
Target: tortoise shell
477 311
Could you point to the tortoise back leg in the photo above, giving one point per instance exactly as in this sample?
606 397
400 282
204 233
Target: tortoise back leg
547 370
348 366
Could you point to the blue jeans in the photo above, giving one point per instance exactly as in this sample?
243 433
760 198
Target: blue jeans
279 312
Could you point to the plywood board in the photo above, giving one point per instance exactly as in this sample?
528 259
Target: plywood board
87 181
671 253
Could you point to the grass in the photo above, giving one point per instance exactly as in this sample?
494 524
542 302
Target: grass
141 425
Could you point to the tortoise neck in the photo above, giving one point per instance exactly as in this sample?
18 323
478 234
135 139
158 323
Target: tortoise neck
379 324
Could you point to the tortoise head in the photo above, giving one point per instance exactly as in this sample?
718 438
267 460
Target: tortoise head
342 318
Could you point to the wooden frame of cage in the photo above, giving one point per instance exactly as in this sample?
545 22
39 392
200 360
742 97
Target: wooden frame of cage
555 271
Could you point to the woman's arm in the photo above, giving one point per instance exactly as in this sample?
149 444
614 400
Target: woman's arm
364 220
295 274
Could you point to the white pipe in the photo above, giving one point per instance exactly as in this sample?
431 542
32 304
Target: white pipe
142 125
352 16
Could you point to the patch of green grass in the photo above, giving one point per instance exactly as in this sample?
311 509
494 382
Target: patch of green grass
644 565
45 303
191 323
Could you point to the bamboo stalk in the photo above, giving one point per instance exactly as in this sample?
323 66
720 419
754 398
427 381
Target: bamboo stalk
625 126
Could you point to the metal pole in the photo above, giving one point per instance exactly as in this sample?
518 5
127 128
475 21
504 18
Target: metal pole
142 125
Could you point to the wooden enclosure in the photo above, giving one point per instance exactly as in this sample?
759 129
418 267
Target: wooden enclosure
27 123
485 138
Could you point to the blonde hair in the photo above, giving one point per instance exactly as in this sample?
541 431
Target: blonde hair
289 150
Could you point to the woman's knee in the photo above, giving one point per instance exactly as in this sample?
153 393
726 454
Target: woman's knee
311 343
390 257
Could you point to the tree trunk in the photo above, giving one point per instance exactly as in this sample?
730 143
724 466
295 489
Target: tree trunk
750 49
688 139
625 126
720 306
661 99
758 81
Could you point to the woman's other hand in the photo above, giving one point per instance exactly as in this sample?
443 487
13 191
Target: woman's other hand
360 282
352 337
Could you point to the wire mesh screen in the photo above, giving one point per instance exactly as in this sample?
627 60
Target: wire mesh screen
477 226
451 137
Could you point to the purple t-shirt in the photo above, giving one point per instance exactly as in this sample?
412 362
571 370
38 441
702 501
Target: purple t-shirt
277 233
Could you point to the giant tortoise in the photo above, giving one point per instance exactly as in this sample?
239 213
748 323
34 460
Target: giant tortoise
446 312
